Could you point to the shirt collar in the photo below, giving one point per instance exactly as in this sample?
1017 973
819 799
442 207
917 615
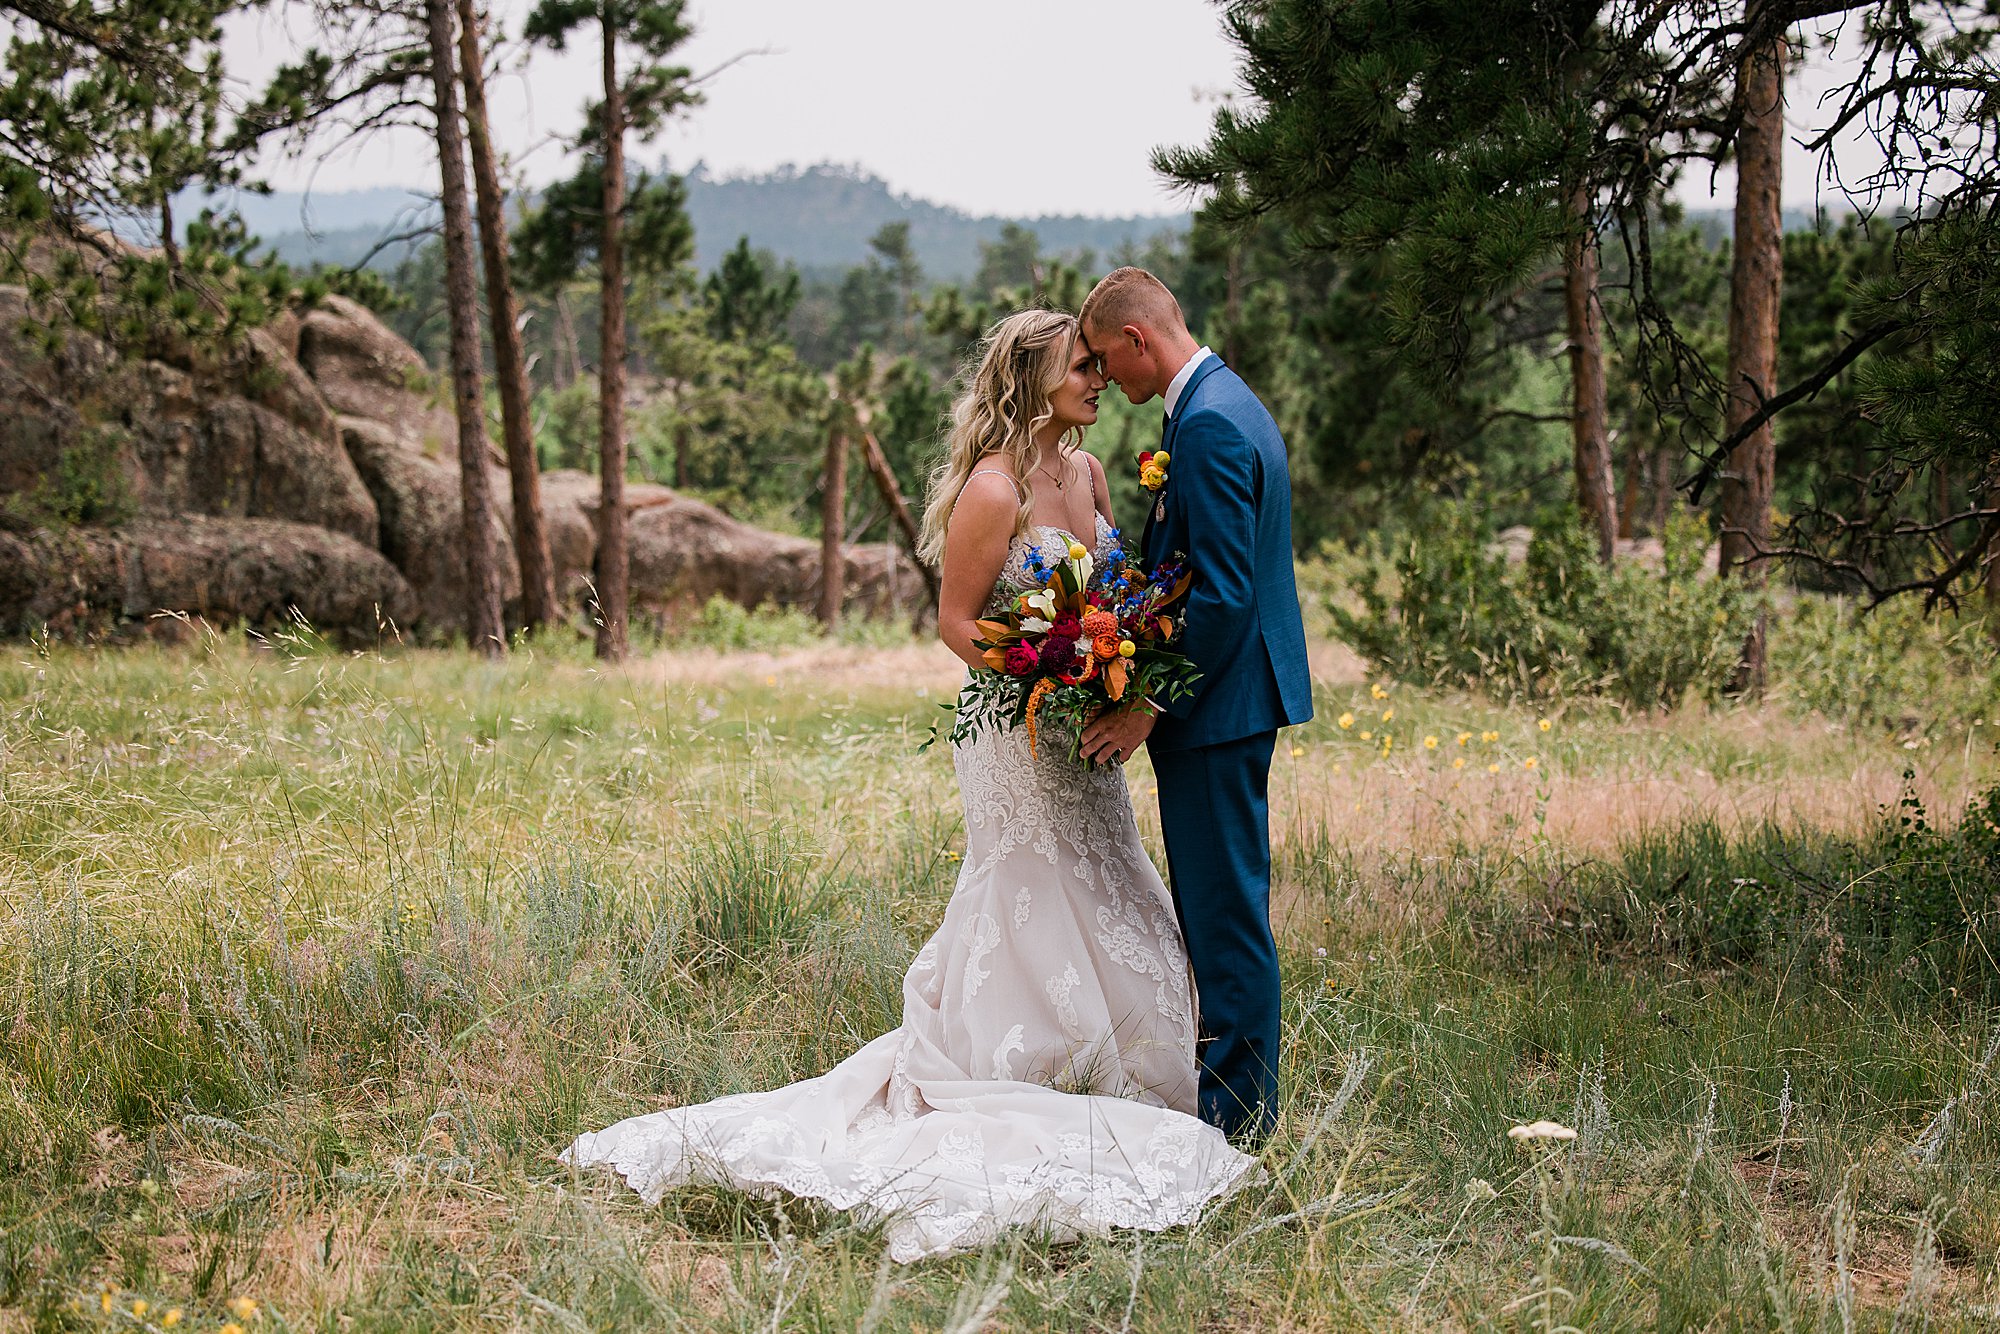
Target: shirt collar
1178 385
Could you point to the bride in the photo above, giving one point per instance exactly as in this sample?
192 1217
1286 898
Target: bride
1043 1076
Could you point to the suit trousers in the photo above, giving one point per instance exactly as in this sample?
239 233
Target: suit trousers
1215 812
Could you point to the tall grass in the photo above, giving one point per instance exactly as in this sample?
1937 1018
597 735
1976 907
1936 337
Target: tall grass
309 965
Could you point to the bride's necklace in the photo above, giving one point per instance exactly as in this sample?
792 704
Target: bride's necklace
1061 482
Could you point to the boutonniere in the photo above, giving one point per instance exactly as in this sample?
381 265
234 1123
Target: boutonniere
1153 469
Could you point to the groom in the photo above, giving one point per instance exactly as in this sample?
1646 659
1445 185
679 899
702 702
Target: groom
1226 505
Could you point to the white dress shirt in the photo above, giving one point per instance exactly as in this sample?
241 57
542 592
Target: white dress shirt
1178 384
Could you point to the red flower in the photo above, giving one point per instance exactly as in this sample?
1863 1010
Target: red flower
1022 659
1066 626
1144 456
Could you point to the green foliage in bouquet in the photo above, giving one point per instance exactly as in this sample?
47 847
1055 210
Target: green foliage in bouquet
1558 624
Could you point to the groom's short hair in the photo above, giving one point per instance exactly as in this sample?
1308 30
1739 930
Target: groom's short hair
1130 296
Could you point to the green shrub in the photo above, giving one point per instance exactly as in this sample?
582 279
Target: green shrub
1895 666
1560 623
1907 894
87 485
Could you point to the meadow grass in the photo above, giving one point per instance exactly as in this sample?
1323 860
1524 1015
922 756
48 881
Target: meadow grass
313 962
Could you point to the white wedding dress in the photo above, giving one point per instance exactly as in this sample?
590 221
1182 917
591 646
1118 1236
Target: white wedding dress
1043 1076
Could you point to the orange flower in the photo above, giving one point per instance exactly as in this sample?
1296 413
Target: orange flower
1042 687
1100 623
1105 645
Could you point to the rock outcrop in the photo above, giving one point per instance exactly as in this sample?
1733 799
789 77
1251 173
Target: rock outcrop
316 474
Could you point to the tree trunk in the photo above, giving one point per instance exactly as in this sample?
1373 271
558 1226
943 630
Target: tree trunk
899 510
1596 496
683 453
569 364
510 367
833 523
1755 283
483 626
613 560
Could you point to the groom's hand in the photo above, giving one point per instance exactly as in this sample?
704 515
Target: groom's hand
1117 734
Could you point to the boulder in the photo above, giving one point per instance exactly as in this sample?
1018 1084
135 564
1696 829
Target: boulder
419 514
165 442
86 581
685 552
362 369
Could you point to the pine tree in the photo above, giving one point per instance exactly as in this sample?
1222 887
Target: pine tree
639 99
510 367
483 626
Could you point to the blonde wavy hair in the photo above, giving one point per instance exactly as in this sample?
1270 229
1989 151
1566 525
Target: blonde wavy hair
1020 363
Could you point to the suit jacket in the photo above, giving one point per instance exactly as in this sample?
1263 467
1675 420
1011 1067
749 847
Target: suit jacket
1227 506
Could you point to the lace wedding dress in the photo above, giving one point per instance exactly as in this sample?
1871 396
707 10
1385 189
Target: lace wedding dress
1043 1075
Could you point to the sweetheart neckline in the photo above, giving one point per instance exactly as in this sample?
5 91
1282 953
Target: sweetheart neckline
1058 528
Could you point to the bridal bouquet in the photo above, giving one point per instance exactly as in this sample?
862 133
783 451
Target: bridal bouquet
1063 652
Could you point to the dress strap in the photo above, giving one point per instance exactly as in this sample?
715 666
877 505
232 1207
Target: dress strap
1014 481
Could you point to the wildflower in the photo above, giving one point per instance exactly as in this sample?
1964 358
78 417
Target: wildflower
1346 721
1367 736
1529 763
1377 692
1492 768
1489 737
1458 763
1540 1130
171 1318
1430 743
243 1308
1544 724
104 1301
231 1328
770 680
1388 715
1464 737
1329 984
1479 1190
139 1309
1320 953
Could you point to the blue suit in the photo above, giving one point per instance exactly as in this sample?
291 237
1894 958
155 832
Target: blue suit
1227 507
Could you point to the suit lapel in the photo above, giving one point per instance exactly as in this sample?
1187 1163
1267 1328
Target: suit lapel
1169 435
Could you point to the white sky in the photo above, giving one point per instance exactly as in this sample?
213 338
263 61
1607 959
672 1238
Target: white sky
1023 108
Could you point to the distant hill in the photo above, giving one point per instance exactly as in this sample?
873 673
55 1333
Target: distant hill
818 217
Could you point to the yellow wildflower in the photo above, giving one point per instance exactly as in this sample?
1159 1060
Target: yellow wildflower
171 1318
104 1301
1489 736
139 1309
1346 721
1492 768
1529 763
1388 714
1430 743
231 1328
1377 692
1367 736
1545 724
1464 737
1458 763
242 1308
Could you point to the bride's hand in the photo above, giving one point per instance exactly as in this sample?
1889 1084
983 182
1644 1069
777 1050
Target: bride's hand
1117 734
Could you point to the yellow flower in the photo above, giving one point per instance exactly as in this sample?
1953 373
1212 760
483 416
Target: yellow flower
1464 737
1489 736
1377 692
1545 724
104 1301
1076 551
231 1328
139 1309
1388 714
1367 736
1430 743
1529 763
1458 763
770 680
171 1318
1346 721
1126 648
243 1308
1492 768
